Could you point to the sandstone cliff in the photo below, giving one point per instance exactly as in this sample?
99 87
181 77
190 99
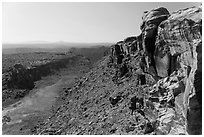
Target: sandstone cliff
171 47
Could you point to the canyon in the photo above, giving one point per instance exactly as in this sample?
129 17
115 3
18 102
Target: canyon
148 84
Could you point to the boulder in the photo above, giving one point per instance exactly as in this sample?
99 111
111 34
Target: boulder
130 39
151 21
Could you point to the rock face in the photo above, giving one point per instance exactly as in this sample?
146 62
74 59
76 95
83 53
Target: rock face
19 78
151 21
150 84
172 50
177 35
179 48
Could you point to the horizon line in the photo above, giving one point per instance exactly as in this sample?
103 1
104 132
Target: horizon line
50 42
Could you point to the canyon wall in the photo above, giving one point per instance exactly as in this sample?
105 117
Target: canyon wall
20 79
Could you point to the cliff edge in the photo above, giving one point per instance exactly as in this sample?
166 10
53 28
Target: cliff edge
149 84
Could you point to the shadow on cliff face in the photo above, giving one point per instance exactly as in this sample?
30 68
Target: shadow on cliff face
198 74
194 114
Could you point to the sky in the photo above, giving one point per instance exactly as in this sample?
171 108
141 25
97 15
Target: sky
76 22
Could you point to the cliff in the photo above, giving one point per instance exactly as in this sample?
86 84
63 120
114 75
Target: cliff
150 84
171 50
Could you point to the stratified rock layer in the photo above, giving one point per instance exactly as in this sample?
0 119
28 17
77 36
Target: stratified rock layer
171 49
179 48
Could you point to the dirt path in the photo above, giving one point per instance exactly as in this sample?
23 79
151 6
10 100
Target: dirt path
33 108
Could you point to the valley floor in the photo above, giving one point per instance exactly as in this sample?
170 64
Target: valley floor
22 116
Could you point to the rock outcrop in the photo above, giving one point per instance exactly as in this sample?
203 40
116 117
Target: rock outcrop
18 77
171 49
151 21
179 48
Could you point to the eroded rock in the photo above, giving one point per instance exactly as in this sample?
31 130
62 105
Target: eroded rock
177 44
151 20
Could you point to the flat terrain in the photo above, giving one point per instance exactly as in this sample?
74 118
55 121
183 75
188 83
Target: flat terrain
29 59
